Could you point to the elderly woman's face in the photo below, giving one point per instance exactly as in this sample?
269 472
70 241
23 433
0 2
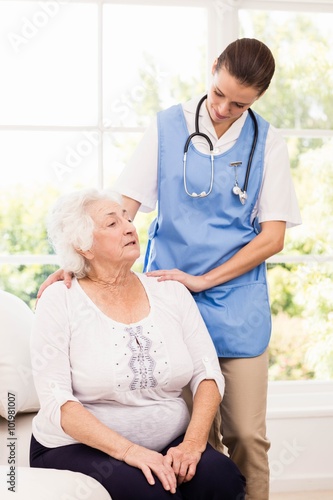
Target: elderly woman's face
115 238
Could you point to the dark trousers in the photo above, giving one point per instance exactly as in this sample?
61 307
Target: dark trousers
217 477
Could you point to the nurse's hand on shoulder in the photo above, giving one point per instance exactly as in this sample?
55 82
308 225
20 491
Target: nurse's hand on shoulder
58 275
193 283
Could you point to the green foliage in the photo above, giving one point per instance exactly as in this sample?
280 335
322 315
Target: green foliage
315 293
24 280
288 349
314 180
282 282
300 97
304 292
22 220
23 232
300 92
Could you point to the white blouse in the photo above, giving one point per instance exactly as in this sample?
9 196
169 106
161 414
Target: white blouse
129 376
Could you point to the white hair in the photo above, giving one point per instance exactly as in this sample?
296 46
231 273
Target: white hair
70 227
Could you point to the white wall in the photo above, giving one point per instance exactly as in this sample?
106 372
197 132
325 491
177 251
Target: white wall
300 427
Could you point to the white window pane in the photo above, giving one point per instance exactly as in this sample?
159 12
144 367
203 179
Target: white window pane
117 149
61 160
301 346
49 62
311 161
153 57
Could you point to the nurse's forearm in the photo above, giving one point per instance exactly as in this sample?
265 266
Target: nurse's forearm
267 243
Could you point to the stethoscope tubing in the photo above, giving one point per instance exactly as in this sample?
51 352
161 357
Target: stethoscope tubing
253 148
197 132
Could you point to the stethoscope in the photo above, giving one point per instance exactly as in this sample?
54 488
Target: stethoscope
237 190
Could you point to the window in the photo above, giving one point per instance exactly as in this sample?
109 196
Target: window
81 81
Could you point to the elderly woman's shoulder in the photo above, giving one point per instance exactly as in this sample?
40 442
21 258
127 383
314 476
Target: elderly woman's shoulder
55 291
168 287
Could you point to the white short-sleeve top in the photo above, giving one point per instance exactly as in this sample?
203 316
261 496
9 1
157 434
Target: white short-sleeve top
277 199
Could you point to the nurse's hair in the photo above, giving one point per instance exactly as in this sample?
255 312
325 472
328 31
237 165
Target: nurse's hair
70 227
249 61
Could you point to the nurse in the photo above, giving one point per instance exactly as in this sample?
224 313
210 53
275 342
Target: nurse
214 230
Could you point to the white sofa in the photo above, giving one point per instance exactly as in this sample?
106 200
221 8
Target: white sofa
18 405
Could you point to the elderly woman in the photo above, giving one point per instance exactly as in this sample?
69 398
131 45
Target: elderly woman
119 347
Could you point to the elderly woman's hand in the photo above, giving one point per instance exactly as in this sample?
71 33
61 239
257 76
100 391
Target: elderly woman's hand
193 283
184 459
151 461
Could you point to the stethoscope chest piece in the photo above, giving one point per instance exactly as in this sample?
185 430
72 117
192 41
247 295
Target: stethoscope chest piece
237 190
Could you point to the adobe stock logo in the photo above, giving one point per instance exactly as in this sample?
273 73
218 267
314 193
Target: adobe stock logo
30 28
288 454
75 154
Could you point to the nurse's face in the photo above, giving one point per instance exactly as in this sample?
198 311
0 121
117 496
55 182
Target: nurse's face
227 98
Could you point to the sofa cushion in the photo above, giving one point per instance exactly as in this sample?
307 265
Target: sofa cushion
49 484
17 390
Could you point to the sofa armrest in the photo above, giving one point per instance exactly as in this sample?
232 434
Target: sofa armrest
49 484
37 483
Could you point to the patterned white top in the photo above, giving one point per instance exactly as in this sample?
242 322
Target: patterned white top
129 376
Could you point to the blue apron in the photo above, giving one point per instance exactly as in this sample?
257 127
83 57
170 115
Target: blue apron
198 234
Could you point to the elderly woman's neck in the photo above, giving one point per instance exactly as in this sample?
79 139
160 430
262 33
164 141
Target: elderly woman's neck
110 278
119 295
